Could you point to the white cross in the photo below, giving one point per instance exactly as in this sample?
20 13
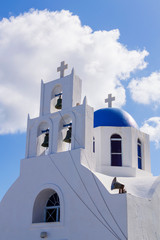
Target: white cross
62 68
109 100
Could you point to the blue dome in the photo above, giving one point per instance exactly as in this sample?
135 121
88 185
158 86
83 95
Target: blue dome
113 117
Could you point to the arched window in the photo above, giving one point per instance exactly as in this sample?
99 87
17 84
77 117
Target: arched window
139 153
47 207
116 150
52 211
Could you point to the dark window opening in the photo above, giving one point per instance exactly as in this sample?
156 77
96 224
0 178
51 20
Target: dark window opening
53 209
94 144
116 150
139 153
116 160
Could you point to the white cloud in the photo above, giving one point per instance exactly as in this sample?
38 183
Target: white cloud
152 127
32 46
146 90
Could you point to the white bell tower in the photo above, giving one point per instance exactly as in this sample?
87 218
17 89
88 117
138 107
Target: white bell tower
61 110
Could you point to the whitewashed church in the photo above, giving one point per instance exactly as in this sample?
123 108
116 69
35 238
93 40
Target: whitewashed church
67 188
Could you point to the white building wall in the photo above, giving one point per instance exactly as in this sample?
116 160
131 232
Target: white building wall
144 138
77 221
143 217
129 137
98 153
79 127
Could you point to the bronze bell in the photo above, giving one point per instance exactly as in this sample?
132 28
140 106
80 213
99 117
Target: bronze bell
68 135
59 103
46 141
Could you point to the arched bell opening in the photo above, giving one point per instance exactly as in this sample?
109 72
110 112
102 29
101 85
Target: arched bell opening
64 134
43 139
56 99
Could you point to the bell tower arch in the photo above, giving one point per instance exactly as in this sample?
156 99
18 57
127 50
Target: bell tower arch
63 123
68 88
65 138
56 99
43 138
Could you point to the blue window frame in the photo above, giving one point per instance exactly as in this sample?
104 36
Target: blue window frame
52 210
116 150
139 153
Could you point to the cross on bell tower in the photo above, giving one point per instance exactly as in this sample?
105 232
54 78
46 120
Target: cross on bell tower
109 100
62 68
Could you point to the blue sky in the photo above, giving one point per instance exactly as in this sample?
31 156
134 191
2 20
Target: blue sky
138 25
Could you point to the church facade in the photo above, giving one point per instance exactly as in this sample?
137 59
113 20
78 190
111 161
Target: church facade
67 188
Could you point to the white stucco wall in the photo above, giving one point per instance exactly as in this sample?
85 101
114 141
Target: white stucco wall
143 218
82 129
129 137
71 86
77 222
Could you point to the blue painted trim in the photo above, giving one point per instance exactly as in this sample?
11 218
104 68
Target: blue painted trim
67 125
44 131
59 94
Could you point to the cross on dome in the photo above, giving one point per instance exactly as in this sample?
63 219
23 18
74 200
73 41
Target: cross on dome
62 68
109 100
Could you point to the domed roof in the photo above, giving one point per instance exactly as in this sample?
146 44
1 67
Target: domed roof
113 117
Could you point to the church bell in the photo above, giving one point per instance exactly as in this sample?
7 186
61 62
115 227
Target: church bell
46 141
59 103
67 139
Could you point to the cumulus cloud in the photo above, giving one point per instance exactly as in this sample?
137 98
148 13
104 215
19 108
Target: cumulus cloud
146 90
152 127
33 44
